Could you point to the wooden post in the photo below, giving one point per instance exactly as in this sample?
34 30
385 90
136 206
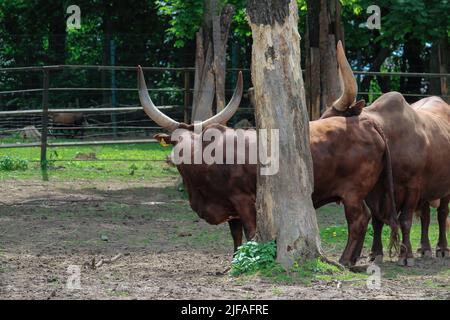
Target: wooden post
186 96
443 62
44 137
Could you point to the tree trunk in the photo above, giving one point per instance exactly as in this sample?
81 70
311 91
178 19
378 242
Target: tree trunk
210 62
324 30
106 55
382 54
440 63
57 34
412 85
284 205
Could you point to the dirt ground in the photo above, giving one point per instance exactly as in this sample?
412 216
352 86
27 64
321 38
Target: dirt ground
48 231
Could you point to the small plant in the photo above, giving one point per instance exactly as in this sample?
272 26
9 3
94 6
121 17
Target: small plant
8 163
315 267
260 258
253 257
133 169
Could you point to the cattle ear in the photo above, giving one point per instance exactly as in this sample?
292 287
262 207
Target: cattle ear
358 107
164 139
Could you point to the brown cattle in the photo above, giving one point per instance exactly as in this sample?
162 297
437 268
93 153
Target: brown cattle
439 107
217 193
68 119
350 156
420 146
65 120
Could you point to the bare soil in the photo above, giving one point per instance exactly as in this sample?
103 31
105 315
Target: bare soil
167 252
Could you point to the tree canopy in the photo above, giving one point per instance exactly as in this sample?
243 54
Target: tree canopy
162 33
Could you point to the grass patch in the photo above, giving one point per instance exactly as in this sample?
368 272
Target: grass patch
119 293
8 163
308 272
142 162
334 232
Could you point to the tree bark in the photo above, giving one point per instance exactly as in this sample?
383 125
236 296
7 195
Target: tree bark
440 63
412 50
284 205
211 60
57 34
382 54
106 57
324 30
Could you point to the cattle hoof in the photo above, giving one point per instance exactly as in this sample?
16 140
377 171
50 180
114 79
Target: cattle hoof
410 262
442 253
377 260
425 253
406 262
346 263
401 262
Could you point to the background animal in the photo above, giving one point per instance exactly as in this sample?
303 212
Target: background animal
61 122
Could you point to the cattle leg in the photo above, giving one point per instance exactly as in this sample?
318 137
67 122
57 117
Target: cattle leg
357 220
442 250
360 246
249 221
246 209
425 246
376 254
236 233
406 257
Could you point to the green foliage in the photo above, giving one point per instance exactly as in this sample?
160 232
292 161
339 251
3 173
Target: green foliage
253 257
8 163
374 91
260 259
161 34
185 18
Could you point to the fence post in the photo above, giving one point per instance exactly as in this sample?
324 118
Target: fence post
186 96
113 86
44 138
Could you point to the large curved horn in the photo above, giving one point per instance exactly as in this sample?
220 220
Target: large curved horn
226 114
149 107
348 82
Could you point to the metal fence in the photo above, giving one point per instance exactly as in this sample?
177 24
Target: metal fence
122 120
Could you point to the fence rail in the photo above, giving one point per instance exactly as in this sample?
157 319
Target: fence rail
82 110
76 144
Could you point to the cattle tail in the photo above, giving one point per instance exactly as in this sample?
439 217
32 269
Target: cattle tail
391 212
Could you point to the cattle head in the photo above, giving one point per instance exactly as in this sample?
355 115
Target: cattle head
185 132
346 105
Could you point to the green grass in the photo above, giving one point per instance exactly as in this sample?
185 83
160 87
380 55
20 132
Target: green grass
149 162
333 232
334 237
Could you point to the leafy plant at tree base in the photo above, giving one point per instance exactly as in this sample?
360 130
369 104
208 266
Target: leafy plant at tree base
8 163
253 257
260 258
